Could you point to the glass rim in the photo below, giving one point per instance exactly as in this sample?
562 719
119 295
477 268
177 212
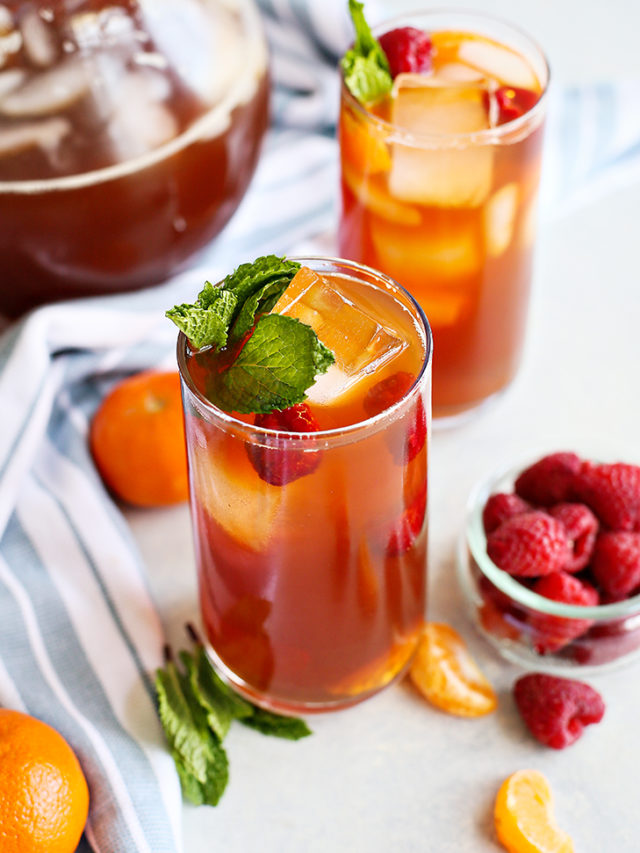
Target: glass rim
486 136
336 433
232 99
476 542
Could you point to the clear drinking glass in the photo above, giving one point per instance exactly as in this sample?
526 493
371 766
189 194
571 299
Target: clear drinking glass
129 131
439 190
313 592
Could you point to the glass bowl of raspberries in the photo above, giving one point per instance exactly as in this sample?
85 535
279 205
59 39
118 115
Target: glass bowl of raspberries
550 562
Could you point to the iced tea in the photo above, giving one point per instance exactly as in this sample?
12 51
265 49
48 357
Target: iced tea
129 130
311 547
439 188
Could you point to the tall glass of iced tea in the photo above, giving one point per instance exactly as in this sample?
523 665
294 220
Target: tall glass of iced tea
439 186
311 545
129 131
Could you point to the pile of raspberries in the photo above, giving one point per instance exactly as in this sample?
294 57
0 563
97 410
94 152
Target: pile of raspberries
570 532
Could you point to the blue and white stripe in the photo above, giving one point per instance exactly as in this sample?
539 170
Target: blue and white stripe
79 633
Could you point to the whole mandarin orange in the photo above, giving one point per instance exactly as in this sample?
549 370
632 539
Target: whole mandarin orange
44 799
137 440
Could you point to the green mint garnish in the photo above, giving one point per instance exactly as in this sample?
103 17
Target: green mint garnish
274 369
281 358
196 709
365 65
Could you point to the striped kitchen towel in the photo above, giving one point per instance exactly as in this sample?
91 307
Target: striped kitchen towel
79 634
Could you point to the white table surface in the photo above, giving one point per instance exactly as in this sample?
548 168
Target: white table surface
394 774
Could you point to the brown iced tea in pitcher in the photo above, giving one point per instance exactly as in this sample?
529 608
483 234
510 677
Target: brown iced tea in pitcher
310 523
129 130
439 188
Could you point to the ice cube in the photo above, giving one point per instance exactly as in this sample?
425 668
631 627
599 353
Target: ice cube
11 79
231 493
46 134
456 72
10 44
37 39
360 343
495 60
499 218
6 20
528 222
139 124
450 174
48 92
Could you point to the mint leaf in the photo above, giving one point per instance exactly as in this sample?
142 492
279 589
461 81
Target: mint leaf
220 704
291 728
206 323
274 369
365 66
248 278
261 301
200 759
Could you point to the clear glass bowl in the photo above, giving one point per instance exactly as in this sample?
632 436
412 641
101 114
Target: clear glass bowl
129 131
515 620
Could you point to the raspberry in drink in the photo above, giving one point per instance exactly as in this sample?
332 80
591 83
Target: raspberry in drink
439 185
310 522
129 130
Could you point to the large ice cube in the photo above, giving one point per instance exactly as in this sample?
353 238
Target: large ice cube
439 265
37 39
499 62
11 79
46 134
49 92
360 343
499 218
449 174
139 123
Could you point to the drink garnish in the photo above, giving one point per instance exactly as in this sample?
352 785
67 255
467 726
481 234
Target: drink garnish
365 65
277 358
196 709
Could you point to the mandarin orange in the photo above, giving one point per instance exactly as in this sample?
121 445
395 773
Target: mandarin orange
137 440
44 799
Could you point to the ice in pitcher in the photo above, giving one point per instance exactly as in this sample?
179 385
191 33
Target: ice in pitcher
447 176
360 343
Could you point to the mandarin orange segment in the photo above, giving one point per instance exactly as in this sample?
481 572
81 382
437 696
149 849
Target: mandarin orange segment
524 818
446 674
362 146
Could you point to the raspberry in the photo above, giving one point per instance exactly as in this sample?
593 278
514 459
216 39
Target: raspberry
406 531
612 492
385 394
581 527
276 463
616 563
550 480
556 710
407 49
499 508
529 545
554 632
513 102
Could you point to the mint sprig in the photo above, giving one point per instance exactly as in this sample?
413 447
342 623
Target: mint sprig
196 709
365 66
281 358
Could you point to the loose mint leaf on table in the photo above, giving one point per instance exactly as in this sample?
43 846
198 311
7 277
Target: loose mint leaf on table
199 756
365 66
196 709
290 728
274 369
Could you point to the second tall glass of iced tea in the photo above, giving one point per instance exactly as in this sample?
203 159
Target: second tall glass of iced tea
439 189
311 546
